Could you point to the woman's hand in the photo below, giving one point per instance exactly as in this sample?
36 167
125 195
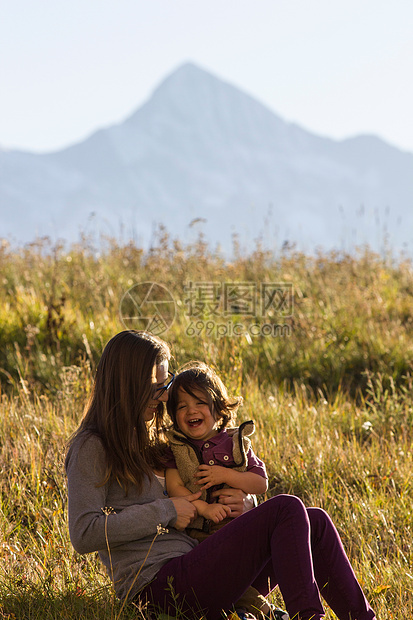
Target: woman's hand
237 500
185 510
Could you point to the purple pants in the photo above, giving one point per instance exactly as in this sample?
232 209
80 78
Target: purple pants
279 542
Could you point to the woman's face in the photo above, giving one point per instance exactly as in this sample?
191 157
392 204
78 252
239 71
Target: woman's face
159 379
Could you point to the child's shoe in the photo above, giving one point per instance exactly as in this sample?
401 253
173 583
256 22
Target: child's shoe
277 614
245 615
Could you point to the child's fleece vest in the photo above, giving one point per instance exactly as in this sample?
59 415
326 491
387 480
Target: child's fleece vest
188 457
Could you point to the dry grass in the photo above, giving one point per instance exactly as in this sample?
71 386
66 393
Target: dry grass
332 403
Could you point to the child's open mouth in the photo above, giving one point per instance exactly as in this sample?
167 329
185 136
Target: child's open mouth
194 422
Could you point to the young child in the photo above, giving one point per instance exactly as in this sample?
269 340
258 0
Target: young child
208 455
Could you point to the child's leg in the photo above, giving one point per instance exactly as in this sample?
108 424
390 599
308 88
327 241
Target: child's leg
219 570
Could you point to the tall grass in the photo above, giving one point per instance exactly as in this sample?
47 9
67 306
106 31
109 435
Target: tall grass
351 314
332 403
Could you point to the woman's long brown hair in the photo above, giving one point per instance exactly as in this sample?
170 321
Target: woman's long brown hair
116 407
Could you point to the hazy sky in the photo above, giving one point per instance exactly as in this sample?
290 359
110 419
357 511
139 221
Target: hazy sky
336 67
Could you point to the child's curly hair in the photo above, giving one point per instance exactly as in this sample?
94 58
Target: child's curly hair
197 376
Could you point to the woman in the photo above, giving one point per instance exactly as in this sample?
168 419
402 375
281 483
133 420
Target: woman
117 507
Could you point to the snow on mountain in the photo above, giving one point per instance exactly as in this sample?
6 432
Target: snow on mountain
200 148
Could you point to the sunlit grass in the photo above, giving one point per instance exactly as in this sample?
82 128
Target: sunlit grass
332 404
347 458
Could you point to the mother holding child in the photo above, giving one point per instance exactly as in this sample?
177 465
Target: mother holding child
148 536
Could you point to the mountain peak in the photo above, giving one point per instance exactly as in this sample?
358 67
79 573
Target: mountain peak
188 74
189 69
189 80
193 97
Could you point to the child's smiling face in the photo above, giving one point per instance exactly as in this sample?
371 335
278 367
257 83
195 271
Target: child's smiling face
193 415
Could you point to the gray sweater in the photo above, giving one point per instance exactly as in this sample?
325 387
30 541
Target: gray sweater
130 529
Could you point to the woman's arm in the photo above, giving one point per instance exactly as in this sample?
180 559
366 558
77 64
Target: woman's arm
237 501
89 527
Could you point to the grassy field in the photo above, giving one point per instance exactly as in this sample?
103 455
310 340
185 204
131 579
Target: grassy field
331 397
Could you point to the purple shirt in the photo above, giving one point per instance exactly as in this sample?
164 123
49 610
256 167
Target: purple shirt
218 451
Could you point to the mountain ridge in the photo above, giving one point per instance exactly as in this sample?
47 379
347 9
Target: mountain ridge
199 147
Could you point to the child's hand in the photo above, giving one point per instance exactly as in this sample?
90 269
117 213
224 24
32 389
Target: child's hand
216 512
210 475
